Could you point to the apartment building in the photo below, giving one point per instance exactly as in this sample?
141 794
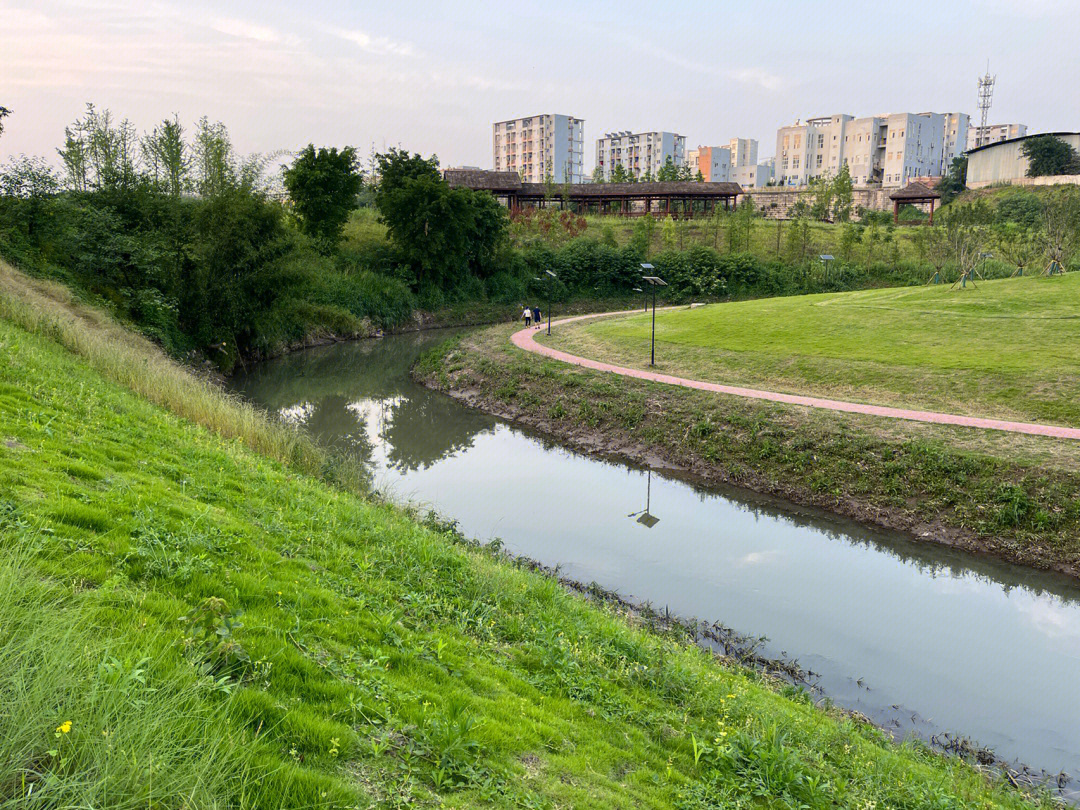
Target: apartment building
994 133
888 149
540 147
714 163
743 152
639 153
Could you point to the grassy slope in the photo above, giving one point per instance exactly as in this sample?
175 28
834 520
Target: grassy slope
1016 496
378 661
1009 349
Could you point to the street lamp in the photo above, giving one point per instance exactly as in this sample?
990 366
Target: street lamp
549 299
638 289
654 281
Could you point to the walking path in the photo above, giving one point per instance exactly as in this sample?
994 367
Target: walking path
525 339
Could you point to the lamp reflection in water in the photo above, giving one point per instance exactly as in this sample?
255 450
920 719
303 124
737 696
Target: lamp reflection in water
645 517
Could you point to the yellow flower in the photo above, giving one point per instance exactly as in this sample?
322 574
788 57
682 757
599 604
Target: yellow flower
64 727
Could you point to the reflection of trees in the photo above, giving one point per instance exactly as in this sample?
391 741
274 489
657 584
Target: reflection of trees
428 426
361 391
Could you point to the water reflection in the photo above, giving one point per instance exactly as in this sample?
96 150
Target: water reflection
918 636
351 403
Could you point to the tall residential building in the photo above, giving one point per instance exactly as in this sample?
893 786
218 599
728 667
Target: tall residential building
994 133
714 163
888 149
743 152
639 153
540 147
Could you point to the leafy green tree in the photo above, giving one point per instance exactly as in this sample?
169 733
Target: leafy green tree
1017 245
843 195
955 179
740 233
668 234
821 198
323 185
166 156
669 171
699 177
443 234
4 113
1048 155
598 175
619 174
849 237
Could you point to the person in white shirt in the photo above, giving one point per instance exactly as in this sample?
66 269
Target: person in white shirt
527 315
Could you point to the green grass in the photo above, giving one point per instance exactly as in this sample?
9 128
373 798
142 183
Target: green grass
223 630
1009 349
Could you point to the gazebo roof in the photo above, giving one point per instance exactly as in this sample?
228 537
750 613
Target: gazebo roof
915 191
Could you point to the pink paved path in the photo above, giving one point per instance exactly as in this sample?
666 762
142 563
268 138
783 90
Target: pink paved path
525 339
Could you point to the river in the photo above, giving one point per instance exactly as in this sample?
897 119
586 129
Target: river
920 638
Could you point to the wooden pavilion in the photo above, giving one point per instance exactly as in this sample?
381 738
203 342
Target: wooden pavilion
914 193
681 199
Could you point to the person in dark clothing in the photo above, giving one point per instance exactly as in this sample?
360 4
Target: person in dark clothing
536 316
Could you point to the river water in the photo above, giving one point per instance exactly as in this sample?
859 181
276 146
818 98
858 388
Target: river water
920 638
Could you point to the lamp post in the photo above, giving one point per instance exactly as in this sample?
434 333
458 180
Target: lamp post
552 275
654 281
638 289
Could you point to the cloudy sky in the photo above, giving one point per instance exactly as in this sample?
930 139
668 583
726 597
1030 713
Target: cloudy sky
433 76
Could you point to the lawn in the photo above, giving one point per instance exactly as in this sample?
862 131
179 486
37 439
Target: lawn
186 622
1008 349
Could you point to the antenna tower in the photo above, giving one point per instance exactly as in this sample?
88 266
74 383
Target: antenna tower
986 95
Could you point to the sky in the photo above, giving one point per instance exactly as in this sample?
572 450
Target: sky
432 77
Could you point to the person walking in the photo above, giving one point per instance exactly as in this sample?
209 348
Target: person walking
527 315
536 317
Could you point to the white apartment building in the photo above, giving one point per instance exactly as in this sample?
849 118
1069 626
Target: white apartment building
994 133
639 153
743 152
889 149
540 147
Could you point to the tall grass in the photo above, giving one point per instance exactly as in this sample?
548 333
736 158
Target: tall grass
94 723
124 357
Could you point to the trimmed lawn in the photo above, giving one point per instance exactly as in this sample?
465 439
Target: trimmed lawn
1008 349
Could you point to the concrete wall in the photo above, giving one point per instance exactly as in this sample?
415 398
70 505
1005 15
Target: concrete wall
1005 163
776 202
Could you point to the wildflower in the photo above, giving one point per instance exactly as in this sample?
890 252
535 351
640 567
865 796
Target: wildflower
64 727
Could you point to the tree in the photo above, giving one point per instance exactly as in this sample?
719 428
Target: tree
668 172
323 185
1048 155
821 198
843 196
699 177
441 233
4 113
1061 225
849 237
619 174
742 225
955 179
166 157
1017 245
598 175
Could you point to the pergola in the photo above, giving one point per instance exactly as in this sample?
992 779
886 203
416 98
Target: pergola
914 192
678 199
